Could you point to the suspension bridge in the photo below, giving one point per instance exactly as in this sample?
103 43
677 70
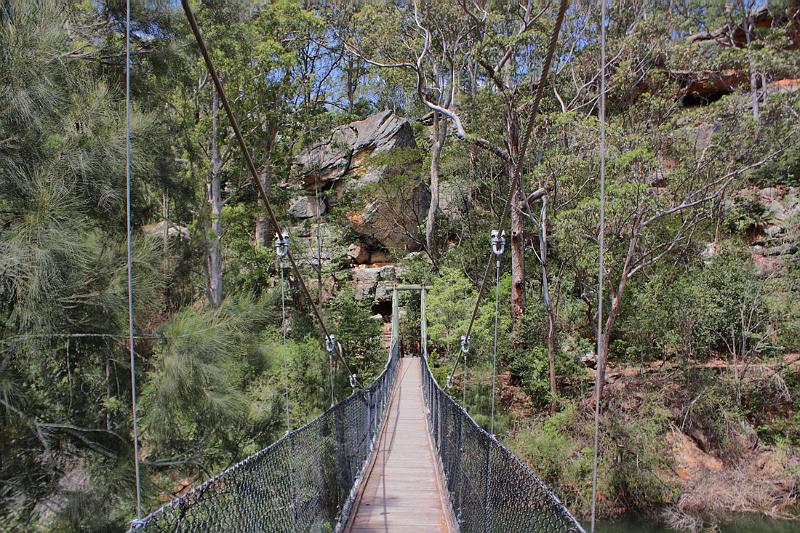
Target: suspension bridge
398 455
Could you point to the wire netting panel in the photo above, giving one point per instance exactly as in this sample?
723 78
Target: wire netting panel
303 482
490 488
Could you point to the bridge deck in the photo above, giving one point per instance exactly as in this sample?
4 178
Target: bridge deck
403 488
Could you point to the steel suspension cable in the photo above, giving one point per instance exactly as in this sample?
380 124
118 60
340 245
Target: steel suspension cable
129 243
332 380
600 259
534 110
494 347
252 169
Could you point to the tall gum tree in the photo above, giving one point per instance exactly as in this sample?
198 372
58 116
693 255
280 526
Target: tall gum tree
514 57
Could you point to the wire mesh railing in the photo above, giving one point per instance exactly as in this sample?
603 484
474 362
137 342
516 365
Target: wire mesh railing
304 481
490 488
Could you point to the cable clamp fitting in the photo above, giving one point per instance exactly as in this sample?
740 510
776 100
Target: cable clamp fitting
330 342
353 380
282 244
449 382
498 242
464 344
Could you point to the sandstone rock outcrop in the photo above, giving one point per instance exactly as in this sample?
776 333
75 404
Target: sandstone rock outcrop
307 207
173 230
348 146
340 166
779 236
374 283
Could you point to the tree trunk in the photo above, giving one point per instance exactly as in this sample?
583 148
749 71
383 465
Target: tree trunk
165 235
439 136
602 357
748 32
517 221
109 393
613 313
263 233
548 306
215 199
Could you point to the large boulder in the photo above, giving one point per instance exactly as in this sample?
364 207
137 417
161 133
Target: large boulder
174 231
379 206
778 237
374 283
303 239
345 150
306 207
365 281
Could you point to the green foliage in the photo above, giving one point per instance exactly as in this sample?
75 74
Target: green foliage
714 411
635 475
448 305
631 461
249 267
747 215
531 366
696 312
561 460
359 334
195 397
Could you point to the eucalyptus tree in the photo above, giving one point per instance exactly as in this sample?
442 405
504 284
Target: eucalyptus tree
514 55
265 56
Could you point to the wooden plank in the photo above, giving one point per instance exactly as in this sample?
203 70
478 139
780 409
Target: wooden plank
403 489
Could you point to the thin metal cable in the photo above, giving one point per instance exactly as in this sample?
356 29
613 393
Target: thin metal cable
331 376
248 158
285 354
600 261
464 384
130 253
494 347
319 278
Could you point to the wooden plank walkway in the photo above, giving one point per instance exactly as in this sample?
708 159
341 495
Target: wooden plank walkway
403 489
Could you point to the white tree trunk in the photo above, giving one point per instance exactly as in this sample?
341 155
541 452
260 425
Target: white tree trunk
439 136
215 200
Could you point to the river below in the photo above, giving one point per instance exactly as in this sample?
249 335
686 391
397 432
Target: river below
740 523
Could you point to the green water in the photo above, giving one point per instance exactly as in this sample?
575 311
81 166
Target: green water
744 523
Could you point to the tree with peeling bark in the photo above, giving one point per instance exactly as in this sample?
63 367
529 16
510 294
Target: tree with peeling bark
272 55
440 67
502 41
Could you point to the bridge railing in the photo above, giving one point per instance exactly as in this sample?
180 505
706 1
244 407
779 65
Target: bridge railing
490 488
304 481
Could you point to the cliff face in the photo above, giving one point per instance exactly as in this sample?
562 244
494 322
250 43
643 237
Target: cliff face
367 211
